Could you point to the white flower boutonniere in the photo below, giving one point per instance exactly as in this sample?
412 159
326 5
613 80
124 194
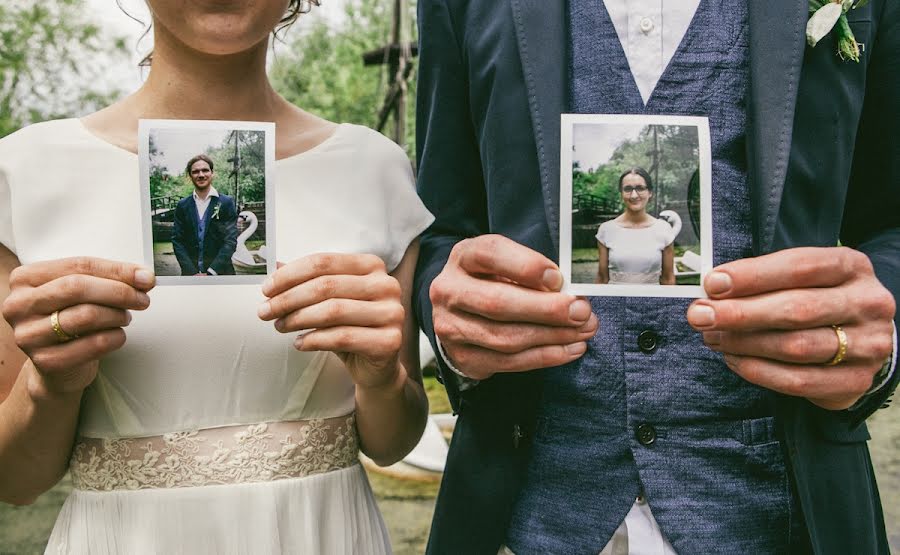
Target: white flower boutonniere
825 15
215 214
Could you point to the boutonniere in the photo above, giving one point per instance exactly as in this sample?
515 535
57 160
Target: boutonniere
825 15
215 214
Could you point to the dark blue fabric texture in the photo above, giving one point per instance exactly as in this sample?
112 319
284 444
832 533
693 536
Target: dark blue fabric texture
715 477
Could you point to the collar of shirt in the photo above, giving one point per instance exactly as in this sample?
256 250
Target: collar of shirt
201 204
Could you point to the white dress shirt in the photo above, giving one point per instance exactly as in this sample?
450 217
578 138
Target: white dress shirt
650 32
202 203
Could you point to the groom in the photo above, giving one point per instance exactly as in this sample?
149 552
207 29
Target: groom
716 426
205 234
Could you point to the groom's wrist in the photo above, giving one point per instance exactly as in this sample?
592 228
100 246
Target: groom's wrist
882 377
463 382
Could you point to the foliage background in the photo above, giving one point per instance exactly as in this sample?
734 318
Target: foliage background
52 59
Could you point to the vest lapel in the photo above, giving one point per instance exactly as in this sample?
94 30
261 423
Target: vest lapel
541 36
777 42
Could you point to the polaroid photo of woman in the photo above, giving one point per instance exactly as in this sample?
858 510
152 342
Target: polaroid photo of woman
635 209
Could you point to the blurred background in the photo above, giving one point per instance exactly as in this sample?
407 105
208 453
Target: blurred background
347 61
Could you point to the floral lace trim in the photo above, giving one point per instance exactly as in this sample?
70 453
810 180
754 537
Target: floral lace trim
231 455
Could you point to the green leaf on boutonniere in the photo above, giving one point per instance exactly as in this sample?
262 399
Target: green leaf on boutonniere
828 14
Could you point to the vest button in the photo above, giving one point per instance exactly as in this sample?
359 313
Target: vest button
646 434
648 341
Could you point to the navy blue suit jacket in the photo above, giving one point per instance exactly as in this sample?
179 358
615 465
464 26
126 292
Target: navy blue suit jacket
824 162
219 240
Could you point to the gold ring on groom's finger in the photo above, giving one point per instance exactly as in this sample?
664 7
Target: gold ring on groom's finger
61 335
841 353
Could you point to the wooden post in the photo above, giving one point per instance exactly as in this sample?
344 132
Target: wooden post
398 56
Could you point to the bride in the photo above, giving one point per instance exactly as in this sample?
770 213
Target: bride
220 424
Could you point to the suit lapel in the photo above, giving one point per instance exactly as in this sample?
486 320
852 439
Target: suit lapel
777 42
541 35
192 211
210 208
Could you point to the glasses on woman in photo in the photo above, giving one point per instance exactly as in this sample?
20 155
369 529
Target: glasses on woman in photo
639 189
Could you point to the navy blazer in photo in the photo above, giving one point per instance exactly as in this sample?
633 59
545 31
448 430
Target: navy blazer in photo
219 241
823 152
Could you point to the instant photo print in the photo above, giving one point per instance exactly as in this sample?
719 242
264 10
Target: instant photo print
635 205
207 200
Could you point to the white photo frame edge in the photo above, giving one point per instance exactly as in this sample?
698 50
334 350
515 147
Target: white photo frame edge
567 123
145 126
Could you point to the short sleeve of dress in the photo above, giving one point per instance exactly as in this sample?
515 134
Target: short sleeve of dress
406 216
666 233
602 233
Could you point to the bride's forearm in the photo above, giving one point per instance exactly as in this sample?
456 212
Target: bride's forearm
36 435
390 419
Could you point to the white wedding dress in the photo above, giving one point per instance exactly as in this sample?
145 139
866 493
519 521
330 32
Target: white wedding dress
208 432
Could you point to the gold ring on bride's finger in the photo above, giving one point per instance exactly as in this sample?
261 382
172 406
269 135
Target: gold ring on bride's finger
841 353
61 335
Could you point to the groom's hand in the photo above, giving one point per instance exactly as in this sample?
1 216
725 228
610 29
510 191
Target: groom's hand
497 308
771 316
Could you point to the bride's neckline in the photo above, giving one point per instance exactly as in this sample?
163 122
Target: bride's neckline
318 146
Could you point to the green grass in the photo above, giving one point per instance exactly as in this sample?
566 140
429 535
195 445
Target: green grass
437 396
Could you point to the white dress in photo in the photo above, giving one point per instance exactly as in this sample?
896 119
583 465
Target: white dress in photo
635 253
208 432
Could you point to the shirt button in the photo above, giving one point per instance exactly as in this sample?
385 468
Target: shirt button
646 25
641 498
646 434
648 341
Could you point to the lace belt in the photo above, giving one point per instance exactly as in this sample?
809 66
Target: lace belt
634 277
214 456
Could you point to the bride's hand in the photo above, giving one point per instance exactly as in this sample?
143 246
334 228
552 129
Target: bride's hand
68 313
351 304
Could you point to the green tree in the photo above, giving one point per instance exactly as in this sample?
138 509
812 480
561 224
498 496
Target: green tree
322 70
668 152
48 52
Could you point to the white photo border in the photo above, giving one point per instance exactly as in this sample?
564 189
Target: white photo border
145 127
567 123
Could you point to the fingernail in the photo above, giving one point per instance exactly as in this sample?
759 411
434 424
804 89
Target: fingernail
576 349
143 299
144 278
701 315
729 360
127 317
298 343
712 337
552 280
267 286
264 311
579 310
718 283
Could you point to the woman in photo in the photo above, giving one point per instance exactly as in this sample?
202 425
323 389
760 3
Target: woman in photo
207 429
635 247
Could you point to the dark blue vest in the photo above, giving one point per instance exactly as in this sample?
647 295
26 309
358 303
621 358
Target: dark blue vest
664 414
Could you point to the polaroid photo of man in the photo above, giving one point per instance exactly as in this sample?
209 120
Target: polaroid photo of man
635 205
207 200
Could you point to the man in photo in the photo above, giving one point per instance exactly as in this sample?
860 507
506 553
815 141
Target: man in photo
728 424
205 234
